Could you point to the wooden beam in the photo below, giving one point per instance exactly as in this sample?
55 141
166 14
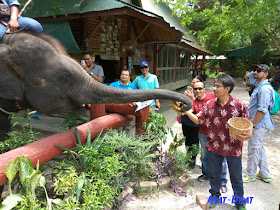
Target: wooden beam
160 48
96 27
142 31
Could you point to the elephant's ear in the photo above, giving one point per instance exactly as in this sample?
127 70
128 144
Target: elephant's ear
11 84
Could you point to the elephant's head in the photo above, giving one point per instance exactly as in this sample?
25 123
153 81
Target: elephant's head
39 75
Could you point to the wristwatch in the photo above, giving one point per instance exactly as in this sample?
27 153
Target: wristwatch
91 74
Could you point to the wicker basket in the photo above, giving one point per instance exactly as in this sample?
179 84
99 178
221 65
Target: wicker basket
238 125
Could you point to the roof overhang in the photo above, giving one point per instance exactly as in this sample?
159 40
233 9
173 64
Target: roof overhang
161 27
244 51
194 47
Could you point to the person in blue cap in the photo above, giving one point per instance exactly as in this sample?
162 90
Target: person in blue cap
14 22
147 81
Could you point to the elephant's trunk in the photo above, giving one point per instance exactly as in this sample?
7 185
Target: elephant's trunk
105 94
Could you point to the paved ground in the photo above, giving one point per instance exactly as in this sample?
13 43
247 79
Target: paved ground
266 196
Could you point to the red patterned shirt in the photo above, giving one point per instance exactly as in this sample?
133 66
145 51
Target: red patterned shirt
215 118
197 107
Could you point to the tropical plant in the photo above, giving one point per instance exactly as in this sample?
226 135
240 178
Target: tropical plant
93 177
138 152
29 179
155 128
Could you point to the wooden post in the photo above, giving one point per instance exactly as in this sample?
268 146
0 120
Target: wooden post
155 59
141 117
175 68
97 110
129 109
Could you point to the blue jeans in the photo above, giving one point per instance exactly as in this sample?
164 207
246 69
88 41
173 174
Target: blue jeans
205 163
25 23
235 172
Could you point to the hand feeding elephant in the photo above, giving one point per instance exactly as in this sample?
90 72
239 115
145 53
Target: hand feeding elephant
36 73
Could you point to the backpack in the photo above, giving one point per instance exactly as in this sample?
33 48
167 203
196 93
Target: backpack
276 98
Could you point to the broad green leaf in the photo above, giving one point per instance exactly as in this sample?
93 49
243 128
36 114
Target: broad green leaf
12 169
26 169
32 182
11 201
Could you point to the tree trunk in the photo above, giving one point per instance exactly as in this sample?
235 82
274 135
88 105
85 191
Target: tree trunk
273 39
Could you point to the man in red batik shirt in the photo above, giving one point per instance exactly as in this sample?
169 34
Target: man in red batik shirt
220 145
198 104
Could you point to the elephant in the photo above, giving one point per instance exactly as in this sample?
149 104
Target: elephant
37 73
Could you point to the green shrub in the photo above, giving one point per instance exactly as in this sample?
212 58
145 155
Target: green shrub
29 180
20 138
213 74
92 177
137 152
240 70
72 120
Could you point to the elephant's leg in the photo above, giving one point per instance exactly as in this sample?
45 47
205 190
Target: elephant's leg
5 126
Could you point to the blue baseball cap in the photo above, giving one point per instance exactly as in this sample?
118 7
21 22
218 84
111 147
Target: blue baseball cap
144 63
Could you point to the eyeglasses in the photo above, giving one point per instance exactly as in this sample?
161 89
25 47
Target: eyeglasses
218 86
259 70
144 67
200 88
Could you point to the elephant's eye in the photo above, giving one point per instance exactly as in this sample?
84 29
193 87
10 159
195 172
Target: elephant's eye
65 75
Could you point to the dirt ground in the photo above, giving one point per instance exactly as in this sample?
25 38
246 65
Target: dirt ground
265 196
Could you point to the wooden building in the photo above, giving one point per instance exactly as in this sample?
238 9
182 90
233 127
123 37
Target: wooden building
121 34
